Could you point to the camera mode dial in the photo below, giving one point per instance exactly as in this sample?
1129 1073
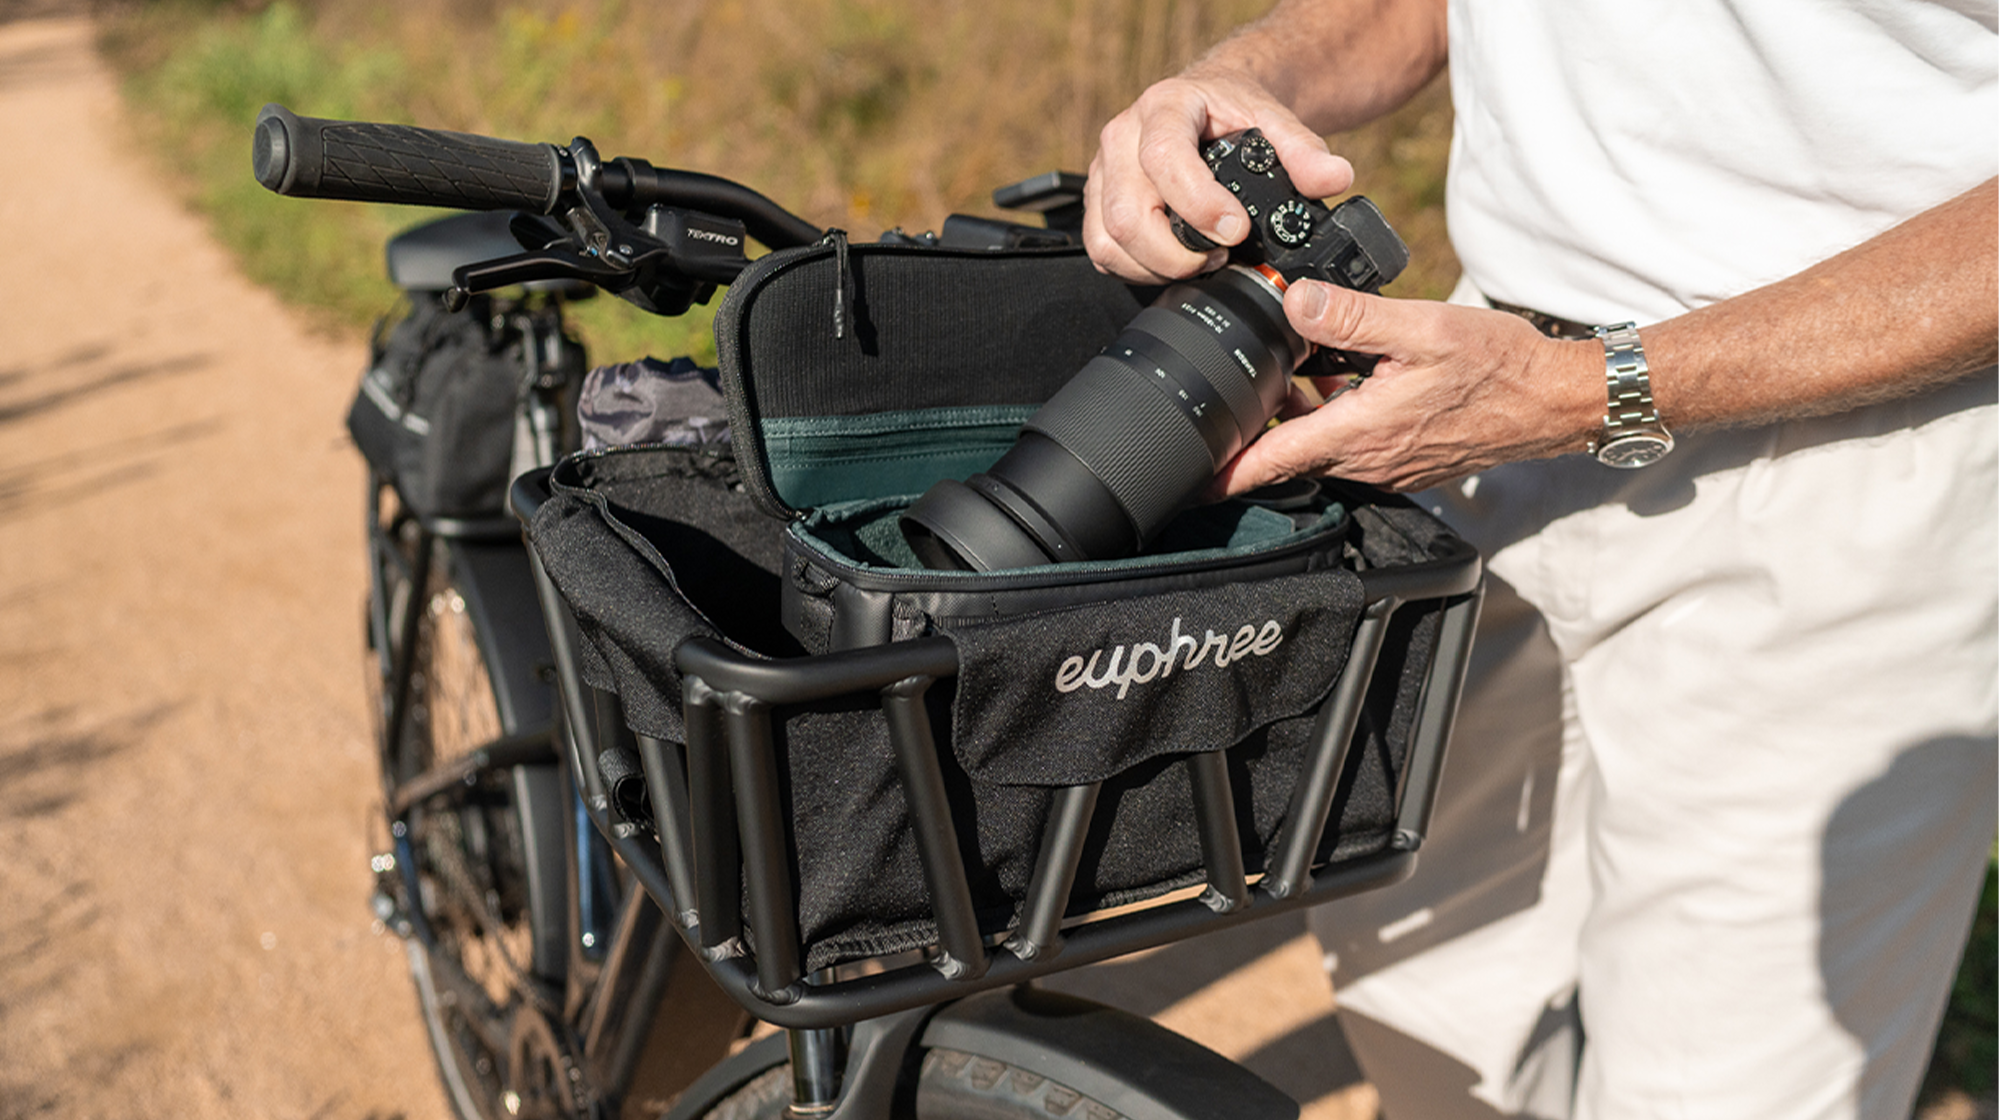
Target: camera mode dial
1290 222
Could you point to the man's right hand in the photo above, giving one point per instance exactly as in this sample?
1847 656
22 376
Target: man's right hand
1149 159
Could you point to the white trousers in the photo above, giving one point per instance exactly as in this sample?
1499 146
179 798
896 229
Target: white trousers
1723 786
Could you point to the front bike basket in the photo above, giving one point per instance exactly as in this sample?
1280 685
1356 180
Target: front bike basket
808 824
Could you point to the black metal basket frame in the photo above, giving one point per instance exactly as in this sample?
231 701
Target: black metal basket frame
722 860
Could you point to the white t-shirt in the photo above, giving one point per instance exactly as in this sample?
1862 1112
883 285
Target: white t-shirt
1630 159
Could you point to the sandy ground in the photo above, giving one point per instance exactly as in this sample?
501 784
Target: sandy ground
185 775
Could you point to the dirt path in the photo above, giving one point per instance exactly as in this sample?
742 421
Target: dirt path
184 769
185 775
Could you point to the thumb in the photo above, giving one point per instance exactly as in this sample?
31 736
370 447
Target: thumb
1340 317
1300 446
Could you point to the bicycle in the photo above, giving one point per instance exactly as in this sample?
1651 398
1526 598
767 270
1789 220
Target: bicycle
585 942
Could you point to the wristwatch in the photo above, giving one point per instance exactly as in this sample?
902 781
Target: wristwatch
1632 434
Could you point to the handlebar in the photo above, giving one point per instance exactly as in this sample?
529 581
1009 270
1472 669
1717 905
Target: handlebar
307 157
659 238
359 161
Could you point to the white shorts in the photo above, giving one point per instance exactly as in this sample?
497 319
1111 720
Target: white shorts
1723 784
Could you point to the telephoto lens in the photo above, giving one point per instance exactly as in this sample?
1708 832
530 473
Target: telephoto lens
1128 441
1142 428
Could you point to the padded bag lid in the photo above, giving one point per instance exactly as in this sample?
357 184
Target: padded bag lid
861 370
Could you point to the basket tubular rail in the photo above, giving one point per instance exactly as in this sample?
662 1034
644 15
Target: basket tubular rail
1326 758
1416 792
866 997
760 827
1054 880
665 770
1221 844
961 950
711 814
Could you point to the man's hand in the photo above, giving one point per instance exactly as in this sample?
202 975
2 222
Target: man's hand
1150 160
1307 68
1457 390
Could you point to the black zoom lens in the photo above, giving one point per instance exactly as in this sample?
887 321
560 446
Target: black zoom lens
1130 440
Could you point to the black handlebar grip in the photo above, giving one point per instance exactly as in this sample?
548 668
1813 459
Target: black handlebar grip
306 157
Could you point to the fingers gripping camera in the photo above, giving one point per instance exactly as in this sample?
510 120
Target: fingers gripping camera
1137 434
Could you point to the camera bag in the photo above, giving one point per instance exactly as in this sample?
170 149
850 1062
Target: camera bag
858 375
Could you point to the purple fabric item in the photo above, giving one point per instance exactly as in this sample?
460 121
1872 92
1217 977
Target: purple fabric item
650 401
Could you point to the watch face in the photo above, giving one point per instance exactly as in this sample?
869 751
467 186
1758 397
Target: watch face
1634 451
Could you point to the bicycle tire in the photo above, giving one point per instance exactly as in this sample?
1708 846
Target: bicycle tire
491 1029
950 1085
514 1036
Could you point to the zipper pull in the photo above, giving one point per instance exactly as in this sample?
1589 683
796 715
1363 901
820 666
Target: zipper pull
843 295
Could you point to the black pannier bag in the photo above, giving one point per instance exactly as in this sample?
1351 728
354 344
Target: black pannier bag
970 764
434 414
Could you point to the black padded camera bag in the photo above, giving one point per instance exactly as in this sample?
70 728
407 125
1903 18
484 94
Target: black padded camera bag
434 413
856 377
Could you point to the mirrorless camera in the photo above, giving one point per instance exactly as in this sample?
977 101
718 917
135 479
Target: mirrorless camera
1138 433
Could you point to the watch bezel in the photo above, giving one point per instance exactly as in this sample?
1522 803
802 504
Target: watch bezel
1634 450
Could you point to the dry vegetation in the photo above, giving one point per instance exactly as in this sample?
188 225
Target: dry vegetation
865 114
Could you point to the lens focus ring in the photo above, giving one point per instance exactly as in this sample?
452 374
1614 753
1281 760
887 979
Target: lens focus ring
1131 439
1150 457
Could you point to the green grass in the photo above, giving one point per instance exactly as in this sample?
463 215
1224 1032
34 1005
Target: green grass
192 78
196 77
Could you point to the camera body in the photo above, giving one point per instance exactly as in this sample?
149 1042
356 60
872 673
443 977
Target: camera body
1350 244
1141 429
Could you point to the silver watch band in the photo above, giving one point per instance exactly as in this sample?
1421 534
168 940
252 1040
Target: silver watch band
1632 432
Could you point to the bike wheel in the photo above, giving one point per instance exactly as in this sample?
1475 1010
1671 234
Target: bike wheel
505 1031
495 1026
950 1085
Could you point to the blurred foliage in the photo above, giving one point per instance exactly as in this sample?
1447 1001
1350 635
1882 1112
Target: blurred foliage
1967 1050
863 114
198 74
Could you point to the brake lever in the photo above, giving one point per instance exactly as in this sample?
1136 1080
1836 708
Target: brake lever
539 264
674 260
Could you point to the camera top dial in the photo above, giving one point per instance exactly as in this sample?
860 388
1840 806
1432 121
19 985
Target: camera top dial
1257 154
1290 222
